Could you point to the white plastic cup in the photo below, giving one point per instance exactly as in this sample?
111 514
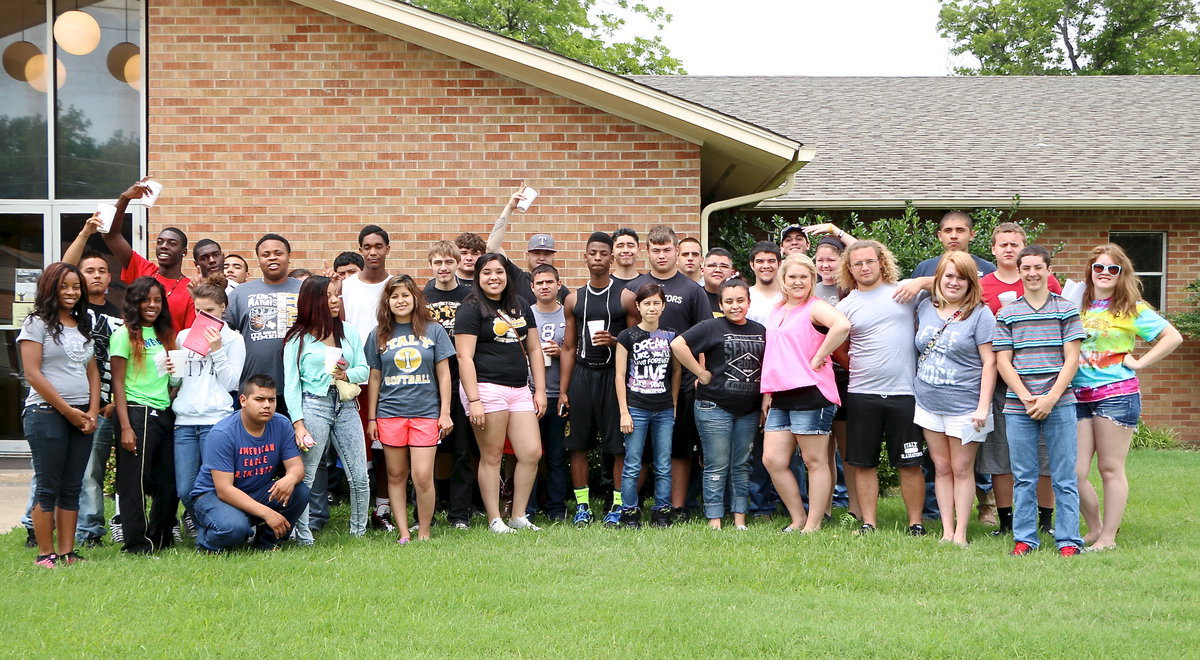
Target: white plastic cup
160 362
1007 297
149 198
527 196
178 359
332 355
546 356
107 212
593 328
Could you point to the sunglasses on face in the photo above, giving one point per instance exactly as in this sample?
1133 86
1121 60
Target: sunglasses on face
1111 269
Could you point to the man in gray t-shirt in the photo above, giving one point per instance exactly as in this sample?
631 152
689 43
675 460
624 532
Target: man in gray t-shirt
262 311
547 312
880 402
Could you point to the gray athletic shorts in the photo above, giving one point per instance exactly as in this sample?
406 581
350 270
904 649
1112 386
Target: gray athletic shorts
993 455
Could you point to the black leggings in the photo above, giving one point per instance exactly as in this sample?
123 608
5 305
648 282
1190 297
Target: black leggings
60 455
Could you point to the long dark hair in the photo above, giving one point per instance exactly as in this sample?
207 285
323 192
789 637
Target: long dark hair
164 330
509 302
45 304
312 312
386 321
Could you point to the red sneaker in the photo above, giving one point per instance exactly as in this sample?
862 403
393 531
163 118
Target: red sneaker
1068 550
1021 549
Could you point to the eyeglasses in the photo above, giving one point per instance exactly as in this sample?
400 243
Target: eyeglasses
1111 269
868 262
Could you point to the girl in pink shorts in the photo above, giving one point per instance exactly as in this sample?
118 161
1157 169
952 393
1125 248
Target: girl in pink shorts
408 397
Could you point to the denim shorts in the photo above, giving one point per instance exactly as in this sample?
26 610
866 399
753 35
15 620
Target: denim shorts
801 422
1123 410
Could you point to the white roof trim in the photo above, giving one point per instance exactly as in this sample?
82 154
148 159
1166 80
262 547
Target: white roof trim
559 75
992 202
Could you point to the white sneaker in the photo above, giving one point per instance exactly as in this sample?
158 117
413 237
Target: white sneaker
523 523
497 526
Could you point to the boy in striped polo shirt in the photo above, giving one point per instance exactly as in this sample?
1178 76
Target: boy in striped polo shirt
1037 344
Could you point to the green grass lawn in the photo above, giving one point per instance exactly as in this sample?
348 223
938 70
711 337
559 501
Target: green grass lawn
683 592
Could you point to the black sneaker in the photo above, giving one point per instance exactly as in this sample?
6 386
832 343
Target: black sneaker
30 539
664 516
917 530
91 542
865 529
679 515
631 517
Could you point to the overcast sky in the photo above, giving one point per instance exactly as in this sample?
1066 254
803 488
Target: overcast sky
807 37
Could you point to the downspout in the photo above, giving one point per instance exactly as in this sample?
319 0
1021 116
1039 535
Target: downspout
799 160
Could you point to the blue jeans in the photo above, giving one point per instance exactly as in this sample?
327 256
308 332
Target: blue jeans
221 526
1059 432
556 484
91 501
329 419
726 439
189 449
658 425
60 454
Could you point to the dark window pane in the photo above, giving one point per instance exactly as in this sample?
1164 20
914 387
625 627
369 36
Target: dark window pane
98 122
1145 249
72 223
23 151
1152 290
20 266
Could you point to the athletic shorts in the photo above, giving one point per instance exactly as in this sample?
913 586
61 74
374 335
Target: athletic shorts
407 431
993 455
953 426
594 411
499 398
801 422
873 420
685 439
1122 410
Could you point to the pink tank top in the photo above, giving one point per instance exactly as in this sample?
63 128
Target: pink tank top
792 341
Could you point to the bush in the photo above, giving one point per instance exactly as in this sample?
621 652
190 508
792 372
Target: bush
1154 437
911 238
1188 322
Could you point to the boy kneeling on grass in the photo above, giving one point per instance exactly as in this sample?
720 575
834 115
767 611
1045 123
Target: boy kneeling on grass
236 494
1037 343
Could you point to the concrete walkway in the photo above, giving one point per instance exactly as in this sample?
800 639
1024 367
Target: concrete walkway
14 491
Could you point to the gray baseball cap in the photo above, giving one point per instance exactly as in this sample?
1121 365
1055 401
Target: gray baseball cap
541 242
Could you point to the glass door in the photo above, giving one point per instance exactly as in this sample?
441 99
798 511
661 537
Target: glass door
24 233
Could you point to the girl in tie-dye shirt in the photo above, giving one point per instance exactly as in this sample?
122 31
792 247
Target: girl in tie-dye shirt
1108 399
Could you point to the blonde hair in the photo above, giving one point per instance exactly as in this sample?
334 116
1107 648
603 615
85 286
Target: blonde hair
1010 228
443 249
798 261
965 267
1128 292
888 271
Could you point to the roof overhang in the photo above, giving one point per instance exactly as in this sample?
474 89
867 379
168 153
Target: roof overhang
962 202
737 158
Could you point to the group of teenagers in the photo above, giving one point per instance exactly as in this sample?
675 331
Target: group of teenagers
691 383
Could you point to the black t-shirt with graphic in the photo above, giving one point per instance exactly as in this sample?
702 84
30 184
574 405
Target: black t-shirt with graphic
733 354
499 355
443 306
686 306
105 319
648 375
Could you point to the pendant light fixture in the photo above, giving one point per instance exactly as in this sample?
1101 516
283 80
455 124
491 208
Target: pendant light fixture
77 32
125 59
18 54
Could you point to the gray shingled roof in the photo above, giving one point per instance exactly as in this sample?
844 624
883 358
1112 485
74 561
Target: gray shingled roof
1126 139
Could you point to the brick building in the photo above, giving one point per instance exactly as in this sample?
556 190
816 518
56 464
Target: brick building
315 117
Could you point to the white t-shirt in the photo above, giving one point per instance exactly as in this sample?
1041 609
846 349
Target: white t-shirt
760 307
361 302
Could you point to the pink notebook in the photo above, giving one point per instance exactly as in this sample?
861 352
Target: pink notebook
195 339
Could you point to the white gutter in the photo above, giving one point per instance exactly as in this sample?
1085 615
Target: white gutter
1031 203
799 160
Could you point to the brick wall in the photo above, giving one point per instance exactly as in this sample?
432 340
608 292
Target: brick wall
1170 389
268 116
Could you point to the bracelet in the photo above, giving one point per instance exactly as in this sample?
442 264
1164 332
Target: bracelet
370 419
472 400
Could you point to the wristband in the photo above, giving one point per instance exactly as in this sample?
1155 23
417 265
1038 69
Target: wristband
370 419
472 400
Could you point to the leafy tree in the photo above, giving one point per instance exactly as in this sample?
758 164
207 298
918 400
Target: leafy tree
85 168
910 237
580 29
1188 322
1085 37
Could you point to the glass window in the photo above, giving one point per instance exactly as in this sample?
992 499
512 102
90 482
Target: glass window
23 163
98 118
1148 251
20 265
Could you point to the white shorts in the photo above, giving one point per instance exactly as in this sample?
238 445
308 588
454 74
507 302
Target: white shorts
952 425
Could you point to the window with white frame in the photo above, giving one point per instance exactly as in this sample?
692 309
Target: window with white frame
1148 252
